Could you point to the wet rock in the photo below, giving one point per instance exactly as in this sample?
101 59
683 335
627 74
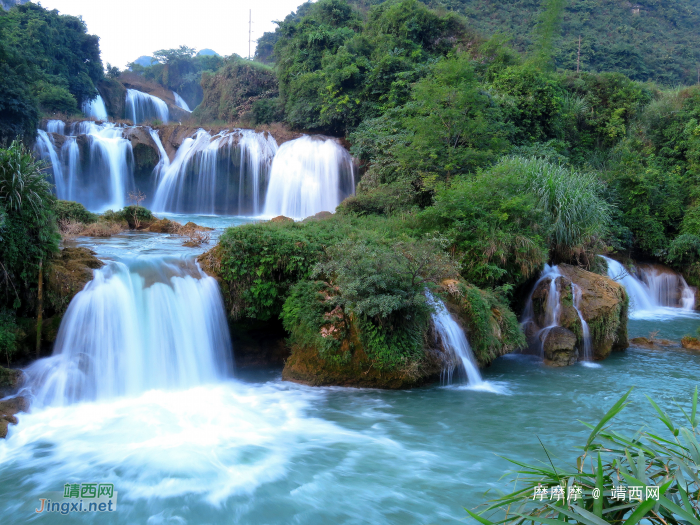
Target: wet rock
8 410
146 154
10 380
114 95
690 343
603 305
560 347
653 344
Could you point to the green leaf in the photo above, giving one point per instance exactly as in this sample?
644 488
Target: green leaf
616 408
478 518
598 503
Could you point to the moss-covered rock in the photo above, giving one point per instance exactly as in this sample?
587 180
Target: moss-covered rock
352 367
10 380
603 305
114 95
491 327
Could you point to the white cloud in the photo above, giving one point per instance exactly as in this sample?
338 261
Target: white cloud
129 29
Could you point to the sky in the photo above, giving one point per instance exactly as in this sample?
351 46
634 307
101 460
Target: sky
129 29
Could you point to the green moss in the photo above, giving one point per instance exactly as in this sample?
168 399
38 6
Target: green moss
74 211
493 328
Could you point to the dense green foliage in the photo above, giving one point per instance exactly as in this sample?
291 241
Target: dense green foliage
180 70
239 90
610 460
28 231
47 62
74 211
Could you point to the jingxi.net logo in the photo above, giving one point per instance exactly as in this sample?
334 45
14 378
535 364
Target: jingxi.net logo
80 497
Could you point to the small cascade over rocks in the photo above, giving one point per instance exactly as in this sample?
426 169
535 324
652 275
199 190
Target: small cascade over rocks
141 324
181 102
652 289
142 107
224 174
309 175
56 126
563 305
95 109
454 342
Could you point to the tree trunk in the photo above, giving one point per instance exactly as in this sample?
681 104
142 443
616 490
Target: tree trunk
39 309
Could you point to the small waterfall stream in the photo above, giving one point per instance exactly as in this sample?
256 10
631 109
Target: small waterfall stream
141 324
95 109
552 314
309 175
455 343
181 102
652 288
142 107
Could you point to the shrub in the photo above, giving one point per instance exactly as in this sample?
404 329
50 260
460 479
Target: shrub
611 460
377 286
74 211
8 334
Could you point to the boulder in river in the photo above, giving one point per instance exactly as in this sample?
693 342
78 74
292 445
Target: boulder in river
602 302
8 409
560 347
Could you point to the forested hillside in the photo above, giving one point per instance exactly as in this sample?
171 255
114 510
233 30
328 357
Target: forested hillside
655 40
48 63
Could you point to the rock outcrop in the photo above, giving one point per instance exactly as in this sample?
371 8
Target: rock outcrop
8 410
603 304
560 347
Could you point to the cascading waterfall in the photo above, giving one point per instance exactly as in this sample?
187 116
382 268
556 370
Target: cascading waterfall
654 289
56 126
95 109
309 175
104 178
141 324
46 149
225 174
455 343
142 107
181 102
552 308
585 330
164 162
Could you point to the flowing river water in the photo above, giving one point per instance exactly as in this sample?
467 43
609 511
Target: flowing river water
254 449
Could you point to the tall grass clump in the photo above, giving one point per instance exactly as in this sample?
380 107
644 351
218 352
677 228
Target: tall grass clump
574 205
615 479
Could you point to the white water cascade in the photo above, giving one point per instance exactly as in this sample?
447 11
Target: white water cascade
101 177
181 102
309 175
141 324
224 174
552 314
95 109
454 342
56 126
142 107
652 288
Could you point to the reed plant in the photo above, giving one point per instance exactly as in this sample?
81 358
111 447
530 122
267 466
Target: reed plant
618 479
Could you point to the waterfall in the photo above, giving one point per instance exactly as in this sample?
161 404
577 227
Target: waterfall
454 342
164 162
225 174
586 332
654 288
103 179
56 126
95 109
141 324
552 308
309 175
142 107
181 102
46 149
